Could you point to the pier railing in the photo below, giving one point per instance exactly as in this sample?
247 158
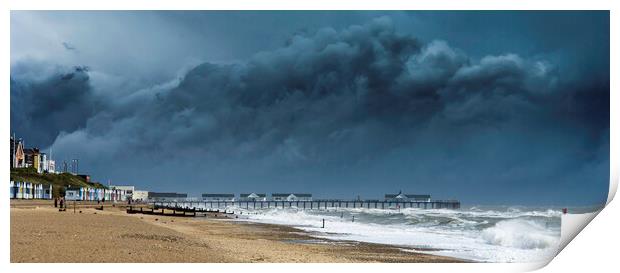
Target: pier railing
314 204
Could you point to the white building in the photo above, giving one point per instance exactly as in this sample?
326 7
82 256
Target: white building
140 195
253 197
128 190
42 163
400 197
291 197
51 166
73 194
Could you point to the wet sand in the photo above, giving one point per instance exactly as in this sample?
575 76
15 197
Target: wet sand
40 233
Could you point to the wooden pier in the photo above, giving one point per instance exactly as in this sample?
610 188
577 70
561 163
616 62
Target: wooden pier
312 205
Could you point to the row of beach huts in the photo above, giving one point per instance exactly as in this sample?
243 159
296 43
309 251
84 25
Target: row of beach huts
95 194
29 190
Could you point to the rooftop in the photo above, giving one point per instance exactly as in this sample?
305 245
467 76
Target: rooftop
288 194
218 195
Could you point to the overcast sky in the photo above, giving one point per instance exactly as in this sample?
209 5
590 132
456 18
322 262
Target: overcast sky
485 107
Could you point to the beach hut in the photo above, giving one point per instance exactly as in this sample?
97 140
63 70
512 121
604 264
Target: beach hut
27 191
99 193
22 190
37 191
47 192
12 190
73 194
19 191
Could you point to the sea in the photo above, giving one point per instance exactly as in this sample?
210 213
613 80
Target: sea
475 233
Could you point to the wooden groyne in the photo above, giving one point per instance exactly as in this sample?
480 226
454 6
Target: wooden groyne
181 211
318 204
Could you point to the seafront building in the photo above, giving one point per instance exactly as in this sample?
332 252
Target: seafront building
291 196
128 190
218 197
22 157
139 195
27 190
399 197
166 196
17 152
31 158
51 166
253 197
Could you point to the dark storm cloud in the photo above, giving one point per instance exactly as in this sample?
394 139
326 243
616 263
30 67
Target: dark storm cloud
43 109
345 108
363 90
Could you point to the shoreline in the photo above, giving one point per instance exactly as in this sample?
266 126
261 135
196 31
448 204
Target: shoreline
112 235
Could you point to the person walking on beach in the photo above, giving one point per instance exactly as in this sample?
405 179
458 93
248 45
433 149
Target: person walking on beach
56 202
62 202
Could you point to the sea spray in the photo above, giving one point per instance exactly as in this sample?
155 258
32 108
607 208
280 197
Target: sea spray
519 233
486 234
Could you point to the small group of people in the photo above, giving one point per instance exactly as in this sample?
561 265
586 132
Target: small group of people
60 200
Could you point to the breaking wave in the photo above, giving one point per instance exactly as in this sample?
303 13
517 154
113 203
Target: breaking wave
518 233
485 234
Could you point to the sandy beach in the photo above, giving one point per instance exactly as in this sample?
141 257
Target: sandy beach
40 233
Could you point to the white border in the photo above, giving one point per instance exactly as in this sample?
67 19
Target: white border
588 249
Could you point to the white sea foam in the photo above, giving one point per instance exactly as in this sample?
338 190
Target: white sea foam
513 235
519 233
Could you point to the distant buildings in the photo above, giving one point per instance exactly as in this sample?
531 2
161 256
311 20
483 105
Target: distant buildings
291 197
22 157
42 166
244 197
51 166
141 195
166 196
31 158
17 153
128 189
138 195
407 197
218 197
252 197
